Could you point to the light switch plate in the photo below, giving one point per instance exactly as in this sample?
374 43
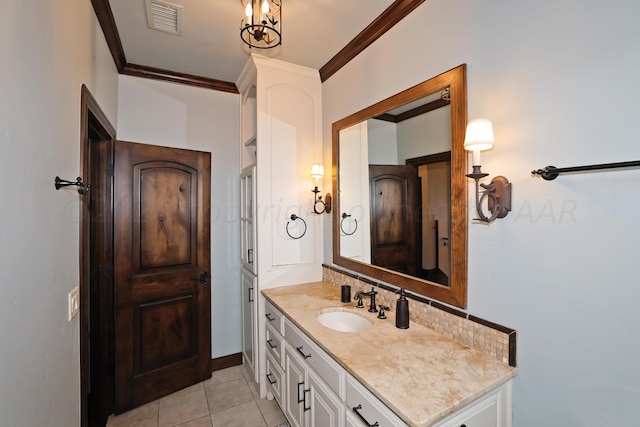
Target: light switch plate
74 302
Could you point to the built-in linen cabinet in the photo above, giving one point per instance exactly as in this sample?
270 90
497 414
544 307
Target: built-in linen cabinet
280 138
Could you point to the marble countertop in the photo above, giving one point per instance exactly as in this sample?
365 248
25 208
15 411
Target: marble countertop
419 374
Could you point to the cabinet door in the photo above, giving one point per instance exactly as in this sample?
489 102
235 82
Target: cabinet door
295 374
248 319
480 414
326 409
247 218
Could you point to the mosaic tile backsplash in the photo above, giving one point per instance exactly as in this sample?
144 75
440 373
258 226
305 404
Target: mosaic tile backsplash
496 341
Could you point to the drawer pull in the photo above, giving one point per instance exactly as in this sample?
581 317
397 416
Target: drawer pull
356 410
271 344
299 398
304 397
270 317
306 356
270 380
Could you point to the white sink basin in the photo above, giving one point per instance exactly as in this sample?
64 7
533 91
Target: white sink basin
344 321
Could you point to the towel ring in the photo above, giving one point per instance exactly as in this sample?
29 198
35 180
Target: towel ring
345 216
293 218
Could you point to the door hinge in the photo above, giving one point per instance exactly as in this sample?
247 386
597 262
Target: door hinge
110 170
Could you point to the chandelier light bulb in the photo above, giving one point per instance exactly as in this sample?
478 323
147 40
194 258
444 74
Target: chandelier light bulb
265 6
248 11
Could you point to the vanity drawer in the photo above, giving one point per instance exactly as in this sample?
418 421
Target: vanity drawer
316 358
275 379
274 345
361 401
274 317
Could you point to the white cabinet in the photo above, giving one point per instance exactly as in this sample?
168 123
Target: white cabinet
493 410
247 218
314 390
281 137
295 379
309 400
366 407
326 409
249 335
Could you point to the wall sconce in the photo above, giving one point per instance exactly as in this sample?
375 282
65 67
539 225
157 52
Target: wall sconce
479 137
317 172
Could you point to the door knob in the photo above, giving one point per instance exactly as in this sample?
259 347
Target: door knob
204 277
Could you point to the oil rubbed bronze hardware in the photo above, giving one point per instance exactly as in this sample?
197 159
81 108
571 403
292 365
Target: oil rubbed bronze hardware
356 409
306 356
295 217
345 216
550 173
64 183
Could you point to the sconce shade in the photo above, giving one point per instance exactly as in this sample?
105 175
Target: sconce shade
479 135
317 171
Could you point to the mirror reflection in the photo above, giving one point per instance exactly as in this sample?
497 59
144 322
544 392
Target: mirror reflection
401 208
395 187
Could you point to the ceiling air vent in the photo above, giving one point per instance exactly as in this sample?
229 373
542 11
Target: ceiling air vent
163 16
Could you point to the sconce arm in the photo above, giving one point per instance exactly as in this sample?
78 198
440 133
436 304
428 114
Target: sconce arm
497 193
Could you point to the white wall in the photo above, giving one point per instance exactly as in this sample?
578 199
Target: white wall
159 113
48 49
560 82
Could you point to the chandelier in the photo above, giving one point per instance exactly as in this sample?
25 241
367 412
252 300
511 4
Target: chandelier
262 26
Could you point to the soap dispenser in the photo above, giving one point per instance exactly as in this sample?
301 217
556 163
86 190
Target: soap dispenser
402 311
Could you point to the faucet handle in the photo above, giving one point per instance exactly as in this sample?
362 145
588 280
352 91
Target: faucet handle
358 296
381 314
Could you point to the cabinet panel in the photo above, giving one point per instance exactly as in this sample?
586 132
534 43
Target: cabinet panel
275 345
248 317
326 367
327 410
294 372
361 401
275 379
247 219
274 317
484 413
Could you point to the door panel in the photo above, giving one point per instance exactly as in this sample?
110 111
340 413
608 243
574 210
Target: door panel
162 260
394 198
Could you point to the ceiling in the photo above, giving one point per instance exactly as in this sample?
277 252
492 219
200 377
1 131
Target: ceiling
315 33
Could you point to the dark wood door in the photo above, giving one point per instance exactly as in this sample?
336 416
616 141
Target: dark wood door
394 193
162 258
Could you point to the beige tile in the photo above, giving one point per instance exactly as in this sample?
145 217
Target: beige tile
179 409
255 392
227 395
245 415
143 416
271 412
225 375
200 422
187 390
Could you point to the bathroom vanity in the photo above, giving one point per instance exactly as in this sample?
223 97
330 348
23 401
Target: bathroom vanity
381 376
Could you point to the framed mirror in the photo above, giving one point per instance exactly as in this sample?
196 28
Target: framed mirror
400 214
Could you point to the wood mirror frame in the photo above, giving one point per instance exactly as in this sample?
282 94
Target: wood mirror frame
456 292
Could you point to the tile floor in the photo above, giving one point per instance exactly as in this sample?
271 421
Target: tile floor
227 399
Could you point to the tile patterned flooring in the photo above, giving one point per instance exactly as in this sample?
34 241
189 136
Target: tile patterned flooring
227 399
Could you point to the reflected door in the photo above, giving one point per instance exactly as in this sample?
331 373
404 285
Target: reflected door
394 195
